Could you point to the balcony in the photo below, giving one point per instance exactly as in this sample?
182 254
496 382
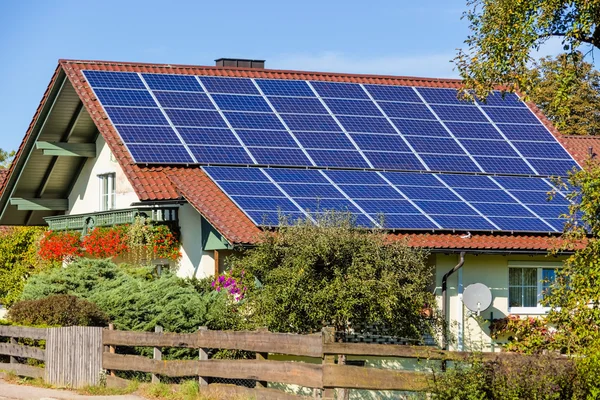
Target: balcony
86 222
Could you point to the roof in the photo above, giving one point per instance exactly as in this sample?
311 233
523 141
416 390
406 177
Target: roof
582 147
191 183
3 176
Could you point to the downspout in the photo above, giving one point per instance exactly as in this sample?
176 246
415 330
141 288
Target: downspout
461 261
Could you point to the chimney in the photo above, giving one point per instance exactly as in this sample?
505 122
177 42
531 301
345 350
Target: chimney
240 63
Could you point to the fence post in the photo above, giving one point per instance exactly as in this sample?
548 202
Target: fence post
262 356
13 360
328 334
157 353
202 356
111 349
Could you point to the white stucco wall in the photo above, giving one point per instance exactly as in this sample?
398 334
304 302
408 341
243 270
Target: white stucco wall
194 261
492 271
85 196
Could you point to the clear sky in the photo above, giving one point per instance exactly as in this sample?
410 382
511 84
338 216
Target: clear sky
378 36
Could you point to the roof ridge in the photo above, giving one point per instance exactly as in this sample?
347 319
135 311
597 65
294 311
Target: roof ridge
267 70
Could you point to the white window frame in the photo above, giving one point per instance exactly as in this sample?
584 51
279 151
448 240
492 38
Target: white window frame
539 265
107 200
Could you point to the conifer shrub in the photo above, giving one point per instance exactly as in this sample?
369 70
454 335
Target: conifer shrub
57 310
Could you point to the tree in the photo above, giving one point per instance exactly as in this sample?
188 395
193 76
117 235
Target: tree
331 273
6 158
574 109
504 32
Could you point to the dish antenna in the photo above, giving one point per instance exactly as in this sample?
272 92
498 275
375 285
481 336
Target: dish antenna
477 297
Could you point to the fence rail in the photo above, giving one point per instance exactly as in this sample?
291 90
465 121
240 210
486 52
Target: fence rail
18 352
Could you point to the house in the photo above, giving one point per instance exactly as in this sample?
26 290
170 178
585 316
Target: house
223 150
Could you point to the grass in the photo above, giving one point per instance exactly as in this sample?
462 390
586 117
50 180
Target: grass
11 377
188 390
109 391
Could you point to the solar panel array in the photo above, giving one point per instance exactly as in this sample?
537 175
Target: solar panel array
362 144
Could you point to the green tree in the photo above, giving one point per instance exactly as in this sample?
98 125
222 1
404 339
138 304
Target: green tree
18 260
6 158
504 32
573 108
331 273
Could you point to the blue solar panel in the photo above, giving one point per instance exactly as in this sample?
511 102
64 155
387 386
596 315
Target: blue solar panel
355 178
474 130
370 192
521 224
504 165
327 204
338 158
517 183
488 148
221 154
275 156
309 190
353 107
214 84
274 218
541 150
443 96
298 105
147 134
461 222
401 179
511 115
532 197
231 102
391 160
502 210
526 132
406 221
366 124
153 153
275 87
303 122
254 121
266 189
215 136
420 128
458 113
489 196
550 211
266 138
265 203
450 163
435 208
236 174
394 93
406 110
136 116
131 98
468 181
198 101
183 83
324 140
380 142
435 145
394 206
558 224
552 167
106 79
340 90
296 175
198 118
429 193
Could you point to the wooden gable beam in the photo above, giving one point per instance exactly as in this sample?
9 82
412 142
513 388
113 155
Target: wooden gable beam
35 204
67 149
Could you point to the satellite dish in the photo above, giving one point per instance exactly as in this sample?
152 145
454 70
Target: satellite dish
477 297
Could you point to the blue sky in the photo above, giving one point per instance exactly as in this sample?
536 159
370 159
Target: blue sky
377 36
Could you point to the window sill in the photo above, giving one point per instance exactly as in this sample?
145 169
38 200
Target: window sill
528 310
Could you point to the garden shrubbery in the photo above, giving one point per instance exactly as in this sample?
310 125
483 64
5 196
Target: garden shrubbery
57 310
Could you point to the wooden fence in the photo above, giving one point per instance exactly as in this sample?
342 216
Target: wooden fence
74 357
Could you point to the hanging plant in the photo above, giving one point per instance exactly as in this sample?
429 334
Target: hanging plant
60 246
106 242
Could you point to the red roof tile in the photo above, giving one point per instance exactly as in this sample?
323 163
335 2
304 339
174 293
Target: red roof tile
582 147
169 182
3 176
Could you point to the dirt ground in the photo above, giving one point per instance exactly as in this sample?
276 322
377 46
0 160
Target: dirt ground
21 392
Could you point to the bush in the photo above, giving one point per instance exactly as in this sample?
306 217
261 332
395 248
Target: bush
58 310
539 377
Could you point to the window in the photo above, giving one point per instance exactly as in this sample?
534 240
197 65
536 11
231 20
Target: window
527 286
107 191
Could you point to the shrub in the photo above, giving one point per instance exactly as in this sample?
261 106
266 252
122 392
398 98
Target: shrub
58 310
